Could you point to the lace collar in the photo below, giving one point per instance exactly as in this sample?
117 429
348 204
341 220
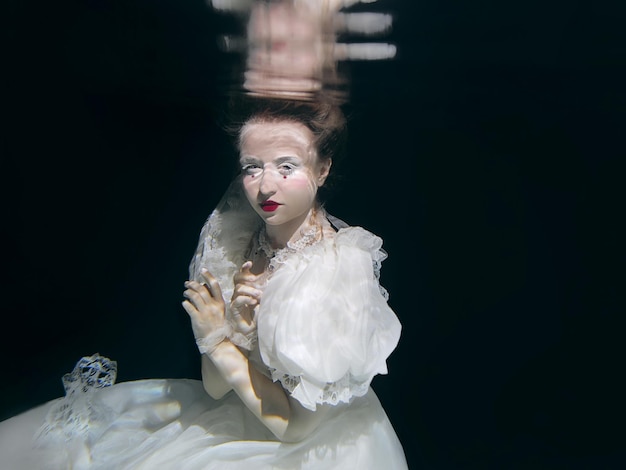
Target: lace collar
278 255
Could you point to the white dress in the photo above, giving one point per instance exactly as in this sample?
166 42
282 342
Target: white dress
324 345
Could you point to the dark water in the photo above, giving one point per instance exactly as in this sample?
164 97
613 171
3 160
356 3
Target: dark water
488 156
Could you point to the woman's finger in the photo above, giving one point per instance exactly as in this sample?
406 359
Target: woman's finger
243 289
201 289
212 285
245 278
244 301
244 274
243 315
195 298
190 309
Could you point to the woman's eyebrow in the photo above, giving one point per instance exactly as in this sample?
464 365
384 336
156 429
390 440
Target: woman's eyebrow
247 159
287 158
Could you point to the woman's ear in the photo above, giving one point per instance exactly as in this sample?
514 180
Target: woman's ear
323 172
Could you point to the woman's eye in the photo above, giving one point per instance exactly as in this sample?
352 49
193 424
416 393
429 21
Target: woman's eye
251 169
286 169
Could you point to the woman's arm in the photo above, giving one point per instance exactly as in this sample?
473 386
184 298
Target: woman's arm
214 383
245 297
281 414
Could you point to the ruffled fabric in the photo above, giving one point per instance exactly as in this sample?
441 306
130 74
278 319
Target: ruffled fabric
325 329
172 424
324 326
224 239
78 417
222 246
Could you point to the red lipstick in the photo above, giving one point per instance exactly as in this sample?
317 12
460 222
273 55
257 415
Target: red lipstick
269 206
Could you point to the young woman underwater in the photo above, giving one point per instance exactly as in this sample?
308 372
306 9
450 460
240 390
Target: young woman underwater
290 319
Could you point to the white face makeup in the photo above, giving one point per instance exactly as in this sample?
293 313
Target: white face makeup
281 172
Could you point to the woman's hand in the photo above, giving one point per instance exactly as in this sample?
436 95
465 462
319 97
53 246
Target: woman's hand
246 296
204 305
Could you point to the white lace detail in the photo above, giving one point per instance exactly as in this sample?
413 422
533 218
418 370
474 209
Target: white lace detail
310 365
378 256
208 344
278 256
338 291
244 340
222 245
76 415
332 393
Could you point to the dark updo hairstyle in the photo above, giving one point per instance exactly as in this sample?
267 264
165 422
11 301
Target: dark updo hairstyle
325 120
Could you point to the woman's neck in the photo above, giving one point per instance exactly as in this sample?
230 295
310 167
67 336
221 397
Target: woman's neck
280 235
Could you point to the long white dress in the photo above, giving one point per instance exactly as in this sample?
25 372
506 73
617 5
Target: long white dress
324 331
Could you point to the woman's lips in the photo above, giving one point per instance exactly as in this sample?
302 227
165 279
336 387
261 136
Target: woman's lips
269 206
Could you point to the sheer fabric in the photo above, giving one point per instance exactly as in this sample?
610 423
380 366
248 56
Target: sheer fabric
174 425
324 331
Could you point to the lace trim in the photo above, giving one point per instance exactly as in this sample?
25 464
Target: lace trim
332 393
75 415
244 340
211 341
278 256
378 257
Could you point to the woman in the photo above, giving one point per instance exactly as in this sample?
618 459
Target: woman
303 280
292 325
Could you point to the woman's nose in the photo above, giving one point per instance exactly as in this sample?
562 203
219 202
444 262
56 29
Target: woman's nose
267 185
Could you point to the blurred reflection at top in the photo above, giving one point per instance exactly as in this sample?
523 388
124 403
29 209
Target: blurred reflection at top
291 47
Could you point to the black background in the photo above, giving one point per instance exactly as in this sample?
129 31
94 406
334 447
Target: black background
487 155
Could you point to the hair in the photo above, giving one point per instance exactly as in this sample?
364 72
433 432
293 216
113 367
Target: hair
326 121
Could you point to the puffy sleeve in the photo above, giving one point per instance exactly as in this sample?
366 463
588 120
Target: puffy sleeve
325 329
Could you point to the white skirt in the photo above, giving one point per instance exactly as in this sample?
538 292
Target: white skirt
165 424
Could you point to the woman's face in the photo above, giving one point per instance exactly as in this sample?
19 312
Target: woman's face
281 171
